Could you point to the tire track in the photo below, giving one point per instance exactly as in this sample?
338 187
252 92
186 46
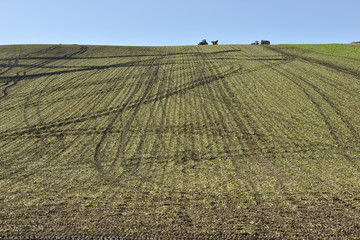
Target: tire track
133 163
7 84
17 78
325 117
159 146
319 62
297 80
74 141
150 82
342 116
253 141
46 145
184 88
278 172
229 142
26 105
10 66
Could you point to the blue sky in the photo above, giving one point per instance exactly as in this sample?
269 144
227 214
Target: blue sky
182 22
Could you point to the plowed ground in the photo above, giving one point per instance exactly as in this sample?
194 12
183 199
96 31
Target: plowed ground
202 142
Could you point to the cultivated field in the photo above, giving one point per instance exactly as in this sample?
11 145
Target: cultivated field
227 141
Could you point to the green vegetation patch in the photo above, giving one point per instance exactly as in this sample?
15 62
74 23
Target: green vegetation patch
340 50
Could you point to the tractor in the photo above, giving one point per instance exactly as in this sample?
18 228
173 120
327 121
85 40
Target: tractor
203 42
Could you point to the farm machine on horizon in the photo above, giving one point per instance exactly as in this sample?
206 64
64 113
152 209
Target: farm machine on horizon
203 42
263 42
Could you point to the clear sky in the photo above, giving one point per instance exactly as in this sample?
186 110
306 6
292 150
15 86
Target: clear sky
182 22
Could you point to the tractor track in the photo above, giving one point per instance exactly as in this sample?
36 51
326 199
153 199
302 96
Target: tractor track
44 89
155 109
180 206
80 85
319 62
81 101
10 66
72 56
136 107
302 149
154 77
45 147
297 80
18 78
245 140
42 147
183 89
129 95
125 138
221 128
325 117
132 164
6 83
343 117
302 50
242 170
37 104
277 171
336 85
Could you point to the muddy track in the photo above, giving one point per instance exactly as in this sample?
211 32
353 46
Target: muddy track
165 116
248 139
336 85
82 67
8 85
183 153
130 93
302 50
342 116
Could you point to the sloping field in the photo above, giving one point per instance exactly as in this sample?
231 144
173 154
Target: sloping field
200 142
